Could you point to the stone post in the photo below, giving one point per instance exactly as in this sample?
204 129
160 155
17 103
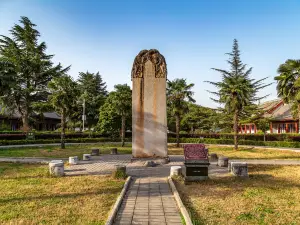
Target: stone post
114 151
95 152
86 157
73 160
56 168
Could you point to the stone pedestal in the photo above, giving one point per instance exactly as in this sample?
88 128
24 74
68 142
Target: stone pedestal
196 171
213 157
196 162
114 151
120 168
175 171
223 161
73 160
149 114
119 172
95 152
239 169
56 168
86 157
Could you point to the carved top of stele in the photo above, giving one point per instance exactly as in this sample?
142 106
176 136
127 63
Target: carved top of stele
155 57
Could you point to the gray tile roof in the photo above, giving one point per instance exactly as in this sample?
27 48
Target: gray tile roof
17 115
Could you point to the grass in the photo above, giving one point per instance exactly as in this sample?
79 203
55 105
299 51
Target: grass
78 150
244 152
30 196
271 195
57 152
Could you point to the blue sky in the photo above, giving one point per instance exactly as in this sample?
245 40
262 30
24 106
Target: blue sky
193 36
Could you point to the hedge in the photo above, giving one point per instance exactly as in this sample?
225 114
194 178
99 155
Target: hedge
51 141
55 135
170 140
78 135
284 144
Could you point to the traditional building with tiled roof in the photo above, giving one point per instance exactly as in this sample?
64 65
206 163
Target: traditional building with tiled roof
44 121
280 115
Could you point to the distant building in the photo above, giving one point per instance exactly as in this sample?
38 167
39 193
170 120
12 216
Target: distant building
280 116
46 121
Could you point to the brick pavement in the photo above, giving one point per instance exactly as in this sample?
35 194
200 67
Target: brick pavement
149 200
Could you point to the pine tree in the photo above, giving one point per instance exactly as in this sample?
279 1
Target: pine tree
93 92
237 91
24 61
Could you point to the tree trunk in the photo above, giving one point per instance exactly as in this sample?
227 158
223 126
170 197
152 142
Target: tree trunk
264 135
235 129
177 117
25 122
123 130
63 131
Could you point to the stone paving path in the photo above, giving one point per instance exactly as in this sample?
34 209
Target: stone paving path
149 200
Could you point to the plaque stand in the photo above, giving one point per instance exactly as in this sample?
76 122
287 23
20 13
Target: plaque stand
196 163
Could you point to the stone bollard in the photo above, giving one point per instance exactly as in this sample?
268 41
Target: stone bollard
120 172
239 169
73 160
56 168
175 171
95 151
86 157
213 157
223 161
114 151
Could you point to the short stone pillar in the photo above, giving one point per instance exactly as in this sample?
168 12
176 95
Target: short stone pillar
175 171
73 160
95 152
223 161
213 157
114 151
56 168
120 168
239 169
119 172
86 157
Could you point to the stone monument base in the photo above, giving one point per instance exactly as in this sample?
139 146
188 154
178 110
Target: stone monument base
157 160
195 171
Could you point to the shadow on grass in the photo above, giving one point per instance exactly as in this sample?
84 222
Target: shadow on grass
60 196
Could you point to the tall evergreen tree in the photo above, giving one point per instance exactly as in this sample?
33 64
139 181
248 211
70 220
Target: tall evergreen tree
237 90
24 61
93 93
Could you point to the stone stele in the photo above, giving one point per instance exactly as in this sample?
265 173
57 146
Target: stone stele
149 111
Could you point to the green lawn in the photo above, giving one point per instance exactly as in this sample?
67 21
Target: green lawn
56 152
30 196
73 150
270 196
